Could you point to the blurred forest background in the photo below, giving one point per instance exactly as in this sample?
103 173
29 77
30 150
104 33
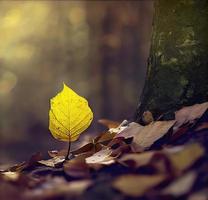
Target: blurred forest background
98 48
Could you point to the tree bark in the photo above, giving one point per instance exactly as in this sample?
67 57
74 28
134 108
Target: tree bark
177 72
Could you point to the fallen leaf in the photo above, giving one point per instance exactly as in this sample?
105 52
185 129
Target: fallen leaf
69 115
184 157
77 167
147 135
136 185
131 130
90 147
96 145
181 186
179 132
26 164
10 176
189 114
136 160
53 162
93 147
109 123
101 157
120 128
56 153
157 161
119 146
104 138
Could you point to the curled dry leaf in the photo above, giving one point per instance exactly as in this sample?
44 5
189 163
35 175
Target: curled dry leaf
96 145
182 185
55 153
10 176
189 114
136 185
184 157
93 147
120 128
147 135
24 165
101 157
119 146
104 138
53 162
90 147
131 130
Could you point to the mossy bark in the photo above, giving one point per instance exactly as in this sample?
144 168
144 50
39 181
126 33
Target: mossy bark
177 72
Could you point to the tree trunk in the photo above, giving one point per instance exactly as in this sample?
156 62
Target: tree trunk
177 72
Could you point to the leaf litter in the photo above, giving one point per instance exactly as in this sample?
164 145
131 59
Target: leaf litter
159 160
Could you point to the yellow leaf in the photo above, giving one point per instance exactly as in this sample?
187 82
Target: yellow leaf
69 115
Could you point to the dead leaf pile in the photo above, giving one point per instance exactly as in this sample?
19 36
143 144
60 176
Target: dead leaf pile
159 160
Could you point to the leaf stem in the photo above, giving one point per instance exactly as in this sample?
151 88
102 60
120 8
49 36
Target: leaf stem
69 148
68 151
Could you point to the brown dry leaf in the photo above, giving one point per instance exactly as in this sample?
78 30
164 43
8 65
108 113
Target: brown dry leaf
53 162
105 138
96 145
77 167
93 147
184 157
119 146
136 185
10 176
137 159
55 153
120 128
32 161
131 130
90 147
182 185
179 132
101 157
109 123
156 160
189 114
152 132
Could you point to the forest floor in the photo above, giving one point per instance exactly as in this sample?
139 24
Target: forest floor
165 159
